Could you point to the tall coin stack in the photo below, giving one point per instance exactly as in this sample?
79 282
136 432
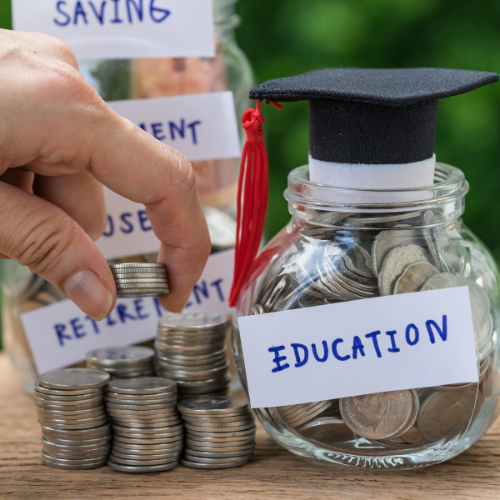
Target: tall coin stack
123 362
75 430
148 431
190 350
220 432
140 279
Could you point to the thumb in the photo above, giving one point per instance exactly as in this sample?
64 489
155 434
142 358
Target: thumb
43 237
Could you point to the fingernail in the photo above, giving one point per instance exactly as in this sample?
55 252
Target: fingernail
90 294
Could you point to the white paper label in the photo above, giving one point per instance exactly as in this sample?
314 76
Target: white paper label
361 347
201 127
60 334
122 29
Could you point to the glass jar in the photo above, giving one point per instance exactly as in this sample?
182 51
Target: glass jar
338 250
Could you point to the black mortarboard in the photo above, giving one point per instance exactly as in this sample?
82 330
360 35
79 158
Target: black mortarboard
373 116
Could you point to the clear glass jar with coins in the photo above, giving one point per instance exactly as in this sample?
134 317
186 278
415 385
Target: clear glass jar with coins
339 250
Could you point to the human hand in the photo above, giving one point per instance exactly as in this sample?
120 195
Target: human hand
58 142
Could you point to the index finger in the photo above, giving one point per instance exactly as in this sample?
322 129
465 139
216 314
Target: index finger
137 166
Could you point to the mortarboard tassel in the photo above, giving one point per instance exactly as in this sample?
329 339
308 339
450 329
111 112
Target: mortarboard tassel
253 190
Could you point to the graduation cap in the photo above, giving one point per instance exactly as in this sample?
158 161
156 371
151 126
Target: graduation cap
368 129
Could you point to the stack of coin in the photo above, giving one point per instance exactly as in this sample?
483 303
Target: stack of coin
220 432
148 431
123 362
75 429
140 279
190 350
300 414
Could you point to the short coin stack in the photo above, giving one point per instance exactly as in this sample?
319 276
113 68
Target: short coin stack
123 362
75 428
190 350
148 431
220 432
140 279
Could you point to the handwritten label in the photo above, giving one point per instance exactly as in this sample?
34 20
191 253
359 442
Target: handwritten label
60 334
122 29
202 127
362 347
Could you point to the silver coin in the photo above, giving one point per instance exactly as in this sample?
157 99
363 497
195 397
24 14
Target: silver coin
114 356
221 421
78 442
143 385
199 375
124 282
61 424
221 435
159 431
65 415
78 464
147 398
378 416
138 404
218 454
103 430
446 413
196 428
396 261
386 218
415 411
173 447
141 469
74 378
193 321
68 407
194 465
385 241
74 455
137 273
133 441
67 400
193 359
137 265
164 408
141 286
301 417
220 460
219 447
414 277
135 294
157 460
433 239
62 392
328 430
214 406
413 436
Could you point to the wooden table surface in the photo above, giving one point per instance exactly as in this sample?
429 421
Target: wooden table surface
273 472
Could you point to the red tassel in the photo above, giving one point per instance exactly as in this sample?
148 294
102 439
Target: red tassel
253 191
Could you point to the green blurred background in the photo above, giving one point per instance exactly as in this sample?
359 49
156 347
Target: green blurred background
286 37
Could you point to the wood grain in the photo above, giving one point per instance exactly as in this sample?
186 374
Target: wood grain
273 474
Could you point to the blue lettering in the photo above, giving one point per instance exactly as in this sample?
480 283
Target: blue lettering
158 307
157 131
138 10
77 328
143 218
410 327
61 337
68 18
394 348
129 227
139 306
216 284
111 227
202 289
278 359
98 15
335 352
300 362
94 324
173 128
357 346
193 130
373 336
80 12
109 321
164 13
123 314
143 126
442 333
116 19
325 352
